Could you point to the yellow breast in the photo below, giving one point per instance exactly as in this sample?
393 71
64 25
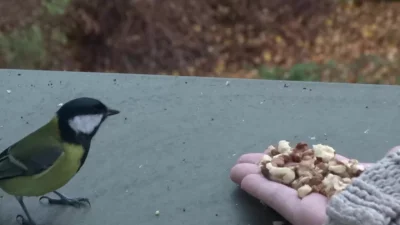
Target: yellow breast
49 180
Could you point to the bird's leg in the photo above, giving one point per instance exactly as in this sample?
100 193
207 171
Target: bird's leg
75 202
22 219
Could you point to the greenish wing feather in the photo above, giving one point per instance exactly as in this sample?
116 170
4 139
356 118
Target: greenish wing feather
31 155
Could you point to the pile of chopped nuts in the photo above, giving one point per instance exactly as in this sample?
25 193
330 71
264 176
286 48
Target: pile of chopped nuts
307 169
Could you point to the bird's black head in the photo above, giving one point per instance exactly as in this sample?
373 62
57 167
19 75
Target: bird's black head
80 118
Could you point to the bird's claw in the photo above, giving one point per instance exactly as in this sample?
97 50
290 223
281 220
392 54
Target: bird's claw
75 202
22 221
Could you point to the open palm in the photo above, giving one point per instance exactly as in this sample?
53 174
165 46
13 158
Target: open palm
310 210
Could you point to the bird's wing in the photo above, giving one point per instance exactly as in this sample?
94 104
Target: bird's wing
22 160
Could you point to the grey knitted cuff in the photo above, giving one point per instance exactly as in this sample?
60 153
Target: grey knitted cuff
371 199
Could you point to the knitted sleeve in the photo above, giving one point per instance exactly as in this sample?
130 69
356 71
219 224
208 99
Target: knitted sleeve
373 198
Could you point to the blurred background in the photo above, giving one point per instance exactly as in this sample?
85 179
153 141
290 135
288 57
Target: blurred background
312 40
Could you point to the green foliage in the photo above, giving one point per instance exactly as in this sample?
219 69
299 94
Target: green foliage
23 48
370 69
274 73
299 72
58 36
304 72
55 7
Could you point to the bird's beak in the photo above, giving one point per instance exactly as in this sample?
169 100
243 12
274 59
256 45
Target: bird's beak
111 112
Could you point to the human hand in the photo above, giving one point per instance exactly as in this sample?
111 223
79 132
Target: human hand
283 199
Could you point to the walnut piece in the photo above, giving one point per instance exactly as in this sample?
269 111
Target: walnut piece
337 167
354 168
308 169
304 190
324 152
280 174
284 147
266 159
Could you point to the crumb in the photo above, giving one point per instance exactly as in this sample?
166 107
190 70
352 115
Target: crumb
8 91
227 83
157 213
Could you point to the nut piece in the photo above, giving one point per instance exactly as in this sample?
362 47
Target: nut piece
280 174
296 184
324 152
284 147
304 191
280 160
301 146
334 184
271 150
308 162
321 167
265 159
354 167
337 167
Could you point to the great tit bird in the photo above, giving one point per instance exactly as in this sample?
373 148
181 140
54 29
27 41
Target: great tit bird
45 160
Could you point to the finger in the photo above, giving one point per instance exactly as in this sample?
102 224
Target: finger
239 171
250 158
281 198
311 211
367 165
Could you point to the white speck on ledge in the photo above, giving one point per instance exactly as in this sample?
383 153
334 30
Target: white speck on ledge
8 91
312 138
227 83
157 213
60 104
140 166
366 131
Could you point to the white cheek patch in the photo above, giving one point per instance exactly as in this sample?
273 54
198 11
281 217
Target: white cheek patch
85 123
